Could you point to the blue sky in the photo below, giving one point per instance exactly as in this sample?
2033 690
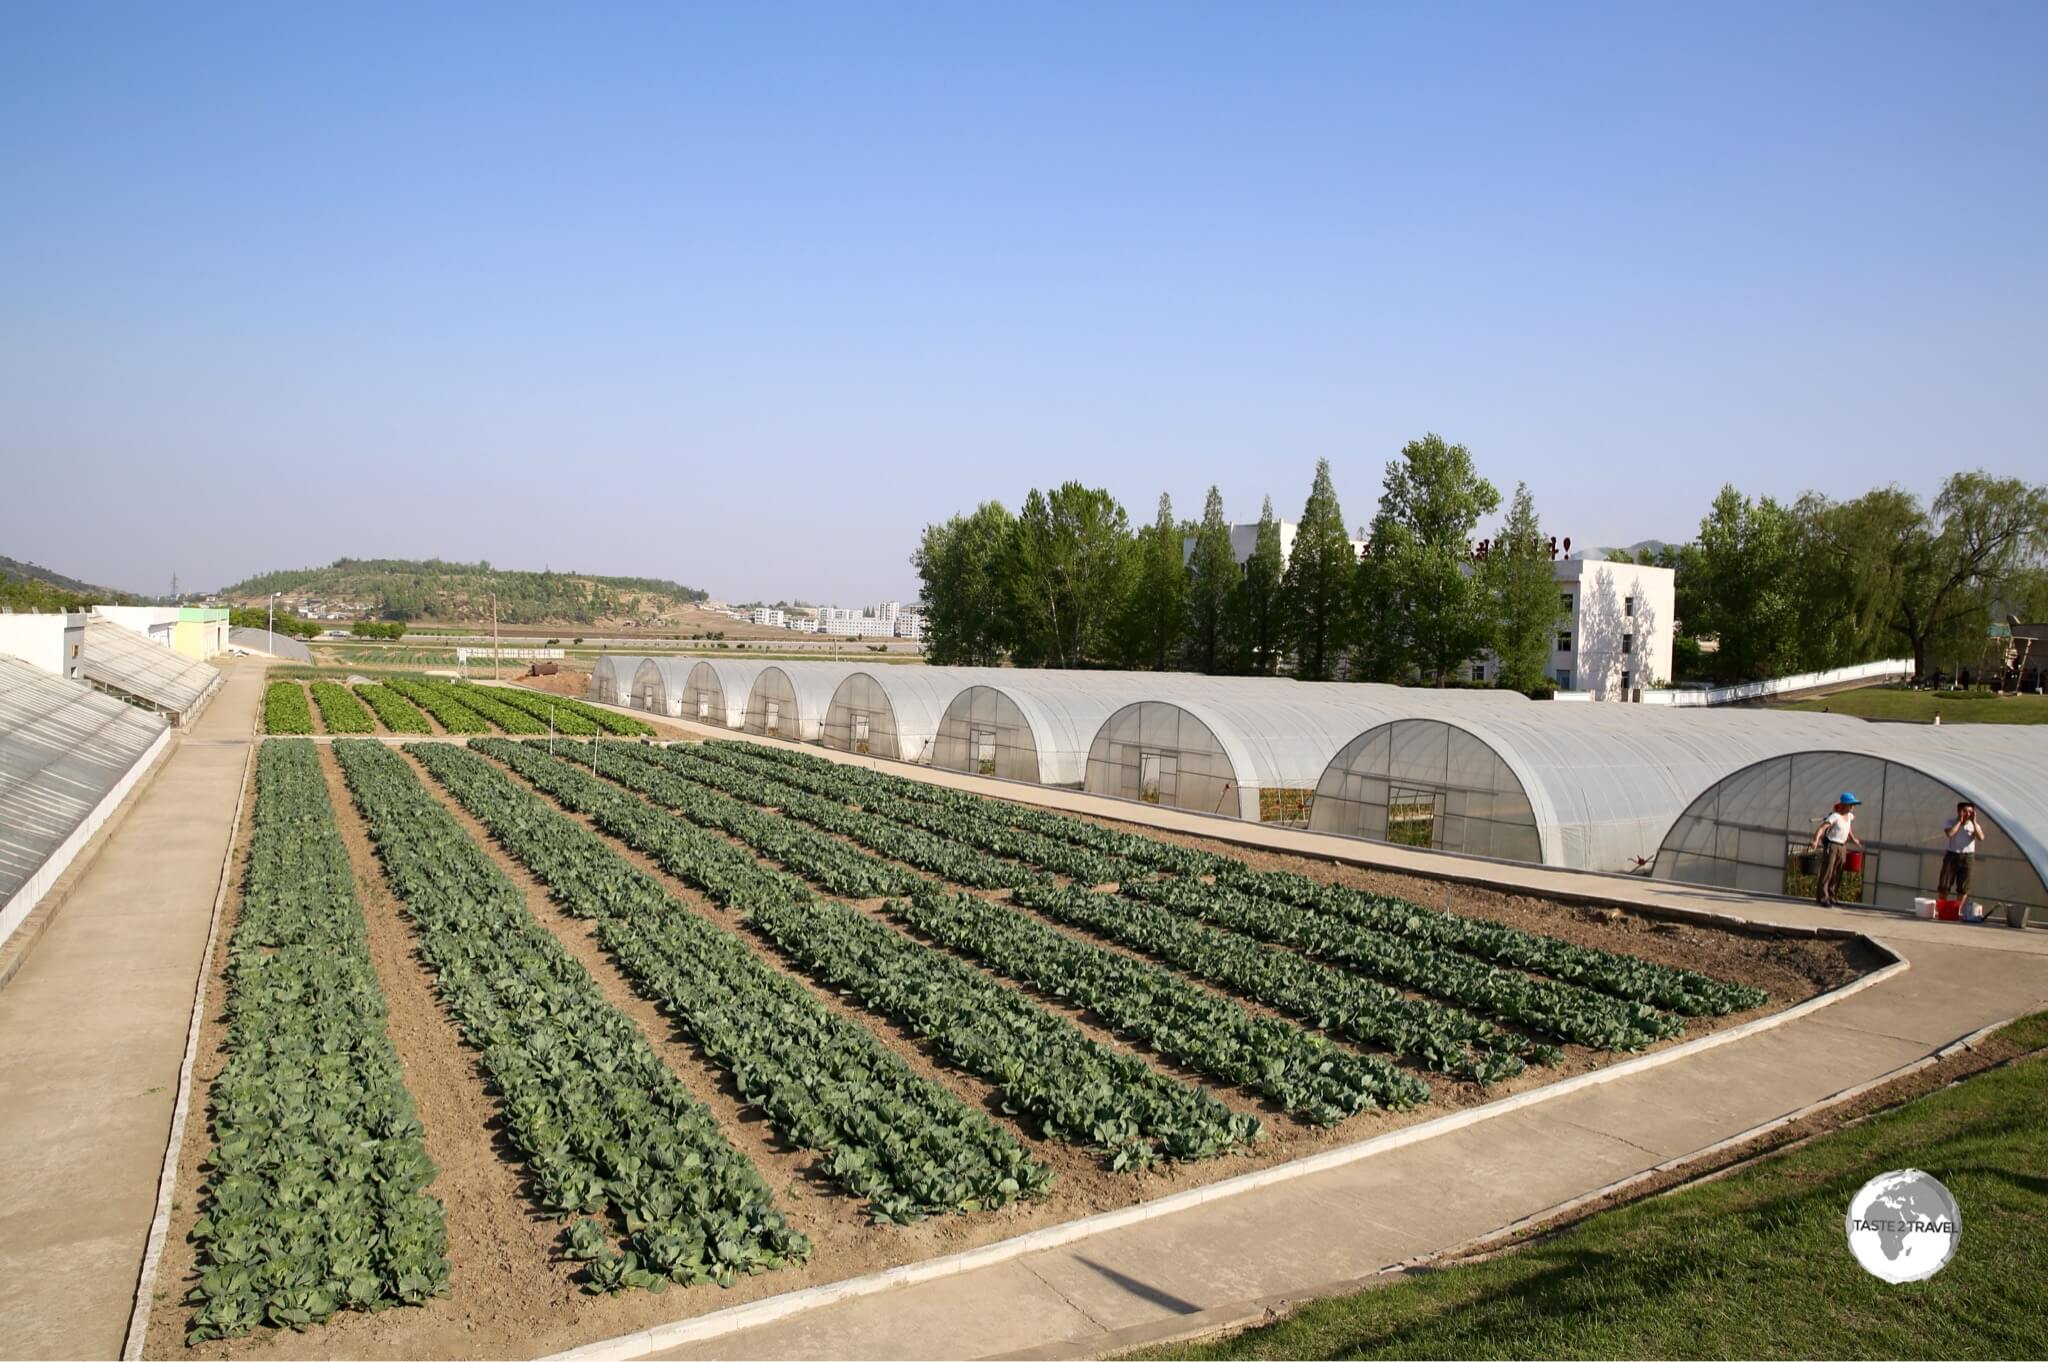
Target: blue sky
747 295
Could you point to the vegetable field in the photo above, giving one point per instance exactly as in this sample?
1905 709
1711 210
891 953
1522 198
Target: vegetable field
898 1007
401 704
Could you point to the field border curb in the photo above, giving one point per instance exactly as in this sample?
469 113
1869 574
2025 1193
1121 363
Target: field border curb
769 1309
160 1224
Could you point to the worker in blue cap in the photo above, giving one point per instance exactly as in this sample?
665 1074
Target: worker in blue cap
1832 839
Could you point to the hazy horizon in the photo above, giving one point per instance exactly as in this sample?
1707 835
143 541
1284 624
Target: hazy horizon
745 298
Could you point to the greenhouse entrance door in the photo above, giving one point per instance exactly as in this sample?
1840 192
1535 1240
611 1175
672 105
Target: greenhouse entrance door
1158 777
1411 817
985 751
772 725
860 732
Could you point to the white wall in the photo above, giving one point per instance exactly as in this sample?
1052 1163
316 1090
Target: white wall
1613 602
156 623
1608 602
36 639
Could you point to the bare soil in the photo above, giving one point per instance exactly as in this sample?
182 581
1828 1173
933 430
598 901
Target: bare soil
566 681
1790 968
511 1293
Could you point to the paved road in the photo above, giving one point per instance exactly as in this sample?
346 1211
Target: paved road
92 1036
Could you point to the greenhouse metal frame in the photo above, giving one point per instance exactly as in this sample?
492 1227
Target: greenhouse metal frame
789 700
611 678
716 692
1745 831
1589 786
658 685
1252 747
891 711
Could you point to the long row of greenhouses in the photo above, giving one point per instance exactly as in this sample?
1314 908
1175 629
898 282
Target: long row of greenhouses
1726 797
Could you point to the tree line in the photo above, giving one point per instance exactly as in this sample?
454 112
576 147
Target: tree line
1765 590
1069 581
1782 588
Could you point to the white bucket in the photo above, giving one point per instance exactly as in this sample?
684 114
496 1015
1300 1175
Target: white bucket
1923 908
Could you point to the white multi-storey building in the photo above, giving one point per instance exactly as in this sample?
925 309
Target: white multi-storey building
769 616
1245 538
910 625
1614 629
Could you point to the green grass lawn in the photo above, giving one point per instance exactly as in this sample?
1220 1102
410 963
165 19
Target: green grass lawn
1954 707
1754 1265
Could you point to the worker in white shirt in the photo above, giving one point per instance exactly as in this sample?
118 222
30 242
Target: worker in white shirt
1832 839
1964 832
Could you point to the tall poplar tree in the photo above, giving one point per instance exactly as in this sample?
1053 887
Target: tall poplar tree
1525 595
1258 606
1317 589
1155 613
1211 578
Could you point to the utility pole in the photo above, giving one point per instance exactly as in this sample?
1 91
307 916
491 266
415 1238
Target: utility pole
494 635
271 624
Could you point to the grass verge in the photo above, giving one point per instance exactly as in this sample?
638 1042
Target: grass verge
1751 1265
1921 706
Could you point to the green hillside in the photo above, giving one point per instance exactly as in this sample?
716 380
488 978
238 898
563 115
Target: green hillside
31 586
408 589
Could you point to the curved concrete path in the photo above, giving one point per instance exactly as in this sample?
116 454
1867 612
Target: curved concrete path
92 1039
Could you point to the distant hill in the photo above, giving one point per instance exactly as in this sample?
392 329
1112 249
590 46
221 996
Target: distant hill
1638 551
31 586
460 593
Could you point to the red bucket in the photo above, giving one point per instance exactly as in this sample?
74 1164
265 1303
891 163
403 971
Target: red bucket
1854 861
1948 910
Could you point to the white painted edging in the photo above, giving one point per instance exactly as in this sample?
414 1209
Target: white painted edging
160 1226
772 1308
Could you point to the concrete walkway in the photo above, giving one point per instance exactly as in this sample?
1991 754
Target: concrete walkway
92 1036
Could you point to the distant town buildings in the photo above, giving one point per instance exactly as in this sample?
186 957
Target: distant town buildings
890 619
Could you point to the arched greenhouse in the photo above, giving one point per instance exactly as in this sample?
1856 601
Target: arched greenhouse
611 678
789 701
1589 786
658 685
1745 831
1252 747
890 711
715 692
